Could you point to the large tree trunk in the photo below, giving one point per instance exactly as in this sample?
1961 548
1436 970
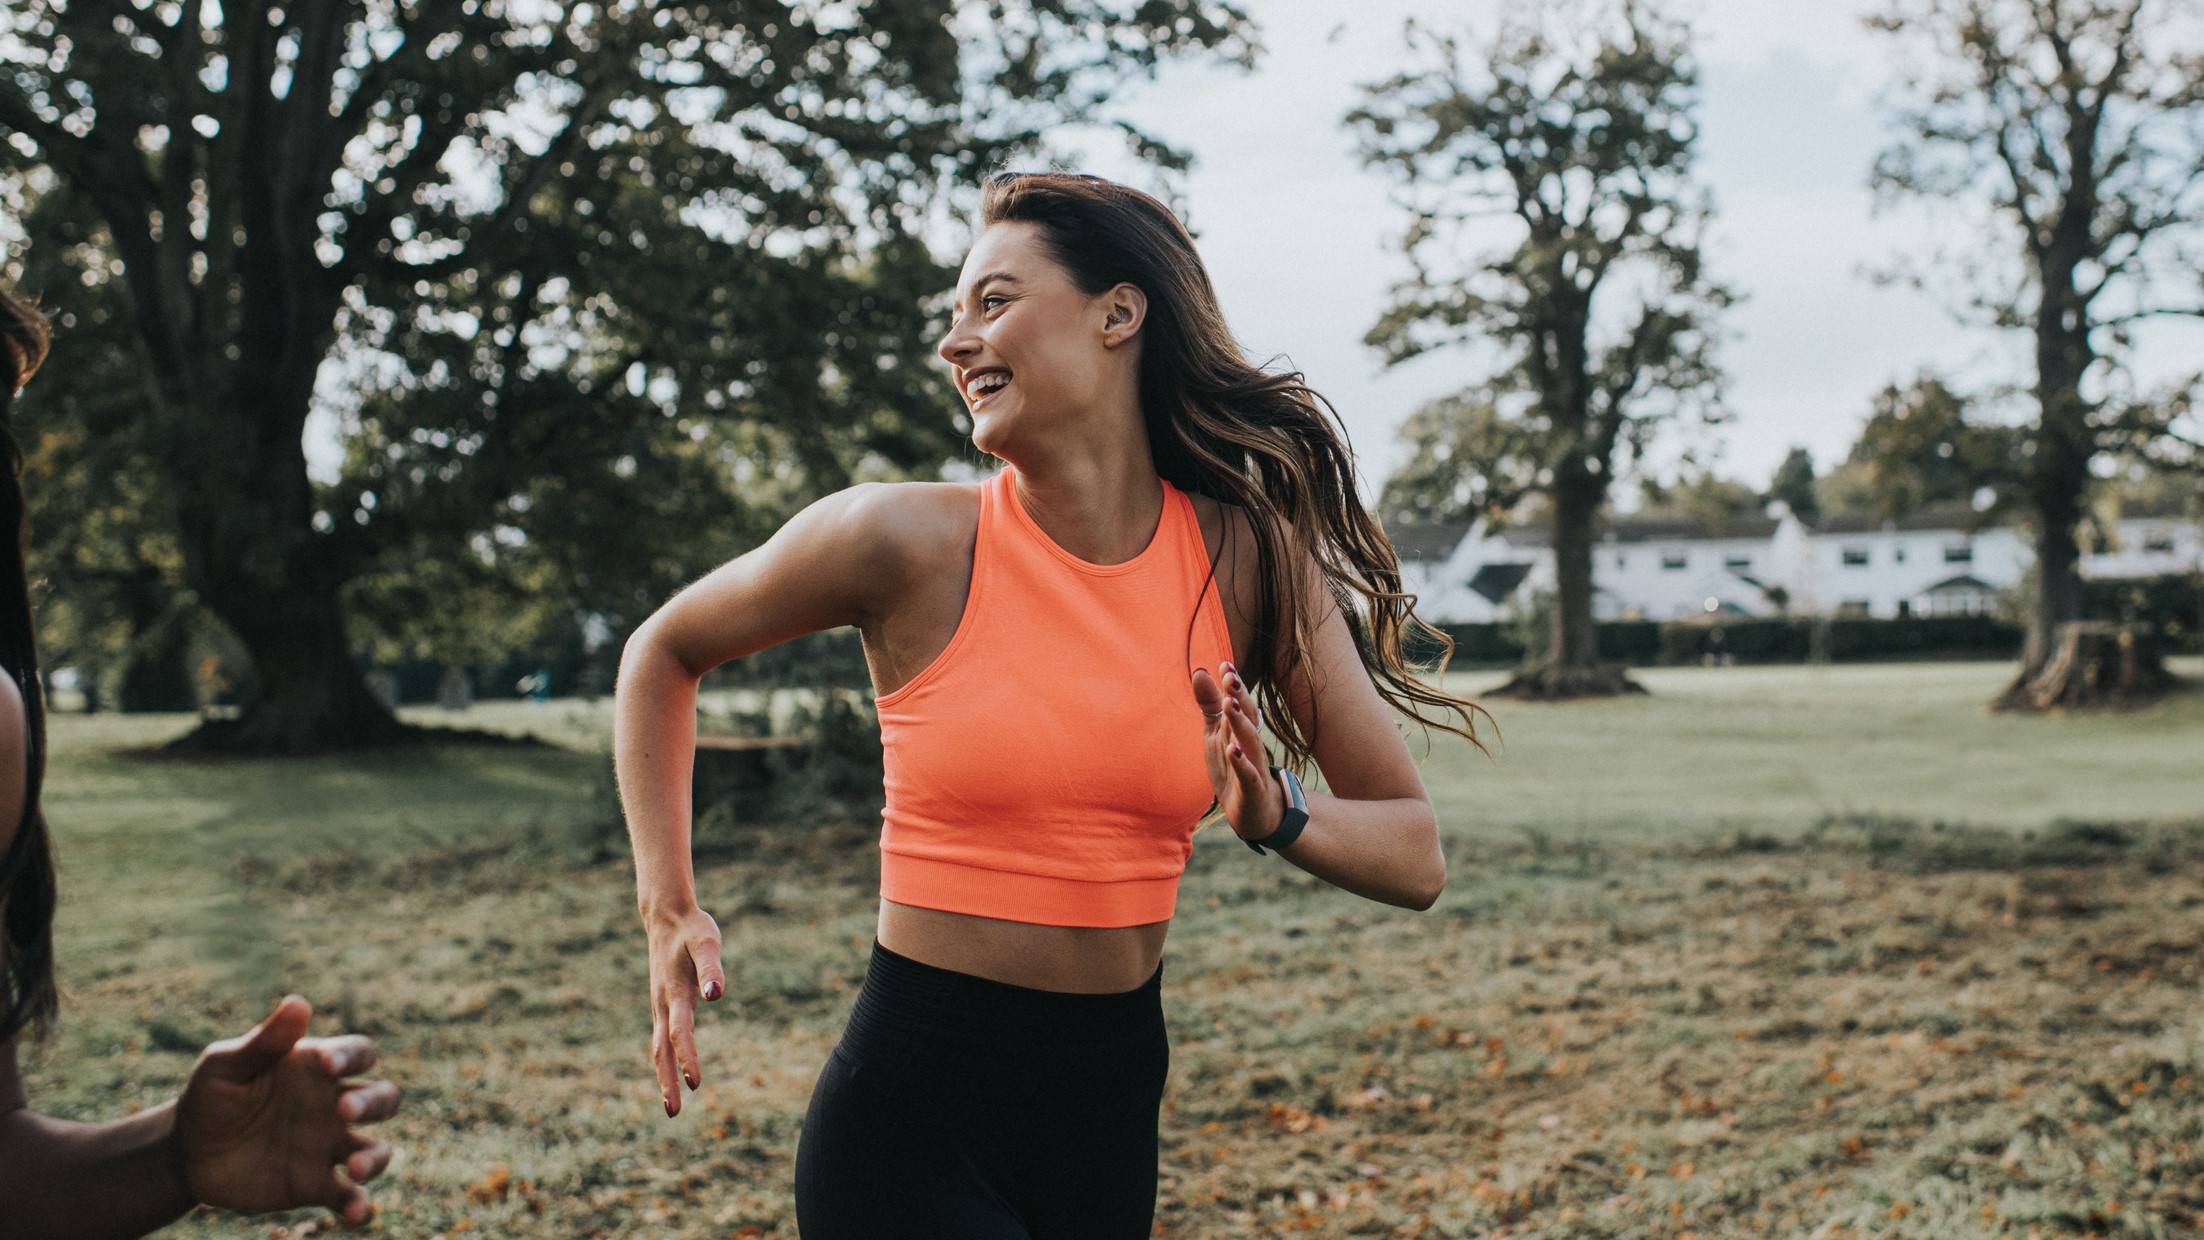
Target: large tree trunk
2058 471
245 509
1571 667
308 694
2058 588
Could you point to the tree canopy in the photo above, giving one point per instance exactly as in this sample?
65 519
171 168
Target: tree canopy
590 294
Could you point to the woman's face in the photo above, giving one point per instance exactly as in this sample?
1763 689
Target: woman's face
1028 350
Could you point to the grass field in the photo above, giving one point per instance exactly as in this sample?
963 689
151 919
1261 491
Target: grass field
1772 951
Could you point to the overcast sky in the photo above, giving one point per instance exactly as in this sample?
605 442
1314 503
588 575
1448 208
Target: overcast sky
1298 236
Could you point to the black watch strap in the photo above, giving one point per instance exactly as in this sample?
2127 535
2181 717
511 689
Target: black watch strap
1295 817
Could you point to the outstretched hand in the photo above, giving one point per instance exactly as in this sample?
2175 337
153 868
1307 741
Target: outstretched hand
1232 739
266 1120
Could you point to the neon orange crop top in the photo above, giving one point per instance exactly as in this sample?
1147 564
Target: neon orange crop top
1047 767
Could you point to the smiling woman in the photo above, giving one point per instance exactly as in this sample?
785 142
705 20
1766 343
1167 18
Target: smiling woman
1057 653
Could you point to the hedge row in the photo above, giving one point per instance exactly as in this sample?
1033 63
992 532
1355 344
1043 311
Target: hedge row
1643 642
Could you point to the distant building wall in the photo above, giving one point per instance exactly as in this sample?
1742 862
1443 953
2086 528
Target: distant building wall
1928 563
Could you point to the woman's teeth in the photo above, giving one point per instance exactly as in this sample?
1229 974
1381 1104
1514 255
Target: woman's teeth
981 386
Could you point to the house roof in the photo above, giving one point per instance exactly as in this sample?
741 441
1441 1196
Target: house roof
1497 581
1957 518
1675 529
1427 542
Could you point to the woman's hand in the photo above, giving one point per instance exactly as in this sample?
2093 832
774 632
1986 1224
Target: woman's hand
1232 737
266 1119
684 962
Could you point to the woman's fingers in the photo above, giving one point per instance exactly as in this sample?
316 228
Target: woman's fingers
711 976
368 1103
346 1200
371 1159
1210 696
661 1053
346 1056
681 1030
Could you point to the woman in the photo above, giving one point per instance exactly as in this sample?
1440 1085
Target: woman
1058 655
264 1120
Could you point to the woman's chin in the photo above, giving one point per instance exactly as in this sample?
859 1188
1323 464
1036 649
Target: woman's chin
989 432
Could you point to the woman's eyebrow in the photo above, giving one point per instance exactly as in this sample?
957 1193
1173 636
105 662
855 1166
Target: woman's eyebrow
983 281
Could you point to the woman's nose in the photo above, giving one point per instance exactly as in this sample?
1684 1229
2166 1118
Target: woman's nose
957 345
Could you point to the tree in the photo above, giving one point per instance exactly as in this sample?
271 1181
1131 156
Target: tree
564 273
2071 129
1573 128
1793 484
1926 444
110 598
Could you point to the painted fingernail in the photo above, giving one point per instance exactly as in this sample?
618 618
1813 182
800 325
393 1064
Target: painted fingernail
669 1108
711 989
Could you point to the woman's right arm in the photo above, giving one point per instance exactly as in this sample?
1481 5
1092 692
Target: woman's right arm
840 561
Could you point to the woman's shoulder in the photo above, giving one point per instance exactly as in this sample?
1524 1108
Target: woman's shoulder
914 517
887 537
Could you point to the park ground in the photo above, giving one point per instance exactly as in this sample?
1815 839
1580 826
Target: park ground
1785 951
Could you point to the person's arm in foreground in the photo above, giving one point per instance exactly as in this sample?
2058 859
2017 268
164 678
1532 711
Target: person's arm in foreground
822 570
1376 834
263 1124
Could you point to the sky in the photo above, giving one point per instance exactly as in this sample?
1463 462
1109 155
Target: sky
1300 239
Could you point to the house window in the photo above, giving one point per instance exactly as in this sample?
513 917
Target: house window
2160 543
1737 561
1959 553
1855 557
1621 560
1854 607
1673 559
1898 554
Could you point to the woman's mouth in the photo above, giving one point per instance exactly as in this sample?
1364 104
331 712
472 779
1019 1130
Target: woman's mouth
981 387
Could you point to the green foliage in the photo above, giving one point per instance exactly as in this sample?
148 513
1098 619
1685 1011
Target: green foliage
1793 484
1705 498
596 296
1927 444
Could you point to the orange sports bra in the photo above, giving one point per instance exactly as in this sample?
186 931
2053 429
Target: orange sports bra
1047 766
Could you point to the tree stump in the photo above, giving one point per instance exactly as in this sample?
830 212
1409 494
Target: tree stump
2094 664
1549 683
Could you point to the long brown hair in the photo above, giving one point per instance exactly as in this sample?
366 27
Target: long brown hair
27 892
1222 426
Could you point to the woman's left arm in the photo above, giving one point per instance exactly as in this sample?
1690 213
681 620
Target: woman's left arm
1376 834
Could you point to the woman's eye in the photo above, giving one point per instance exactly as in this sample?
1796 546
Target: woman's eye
988 302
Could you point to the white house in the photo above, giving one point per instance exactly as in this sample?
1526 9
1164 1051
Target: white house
1933 562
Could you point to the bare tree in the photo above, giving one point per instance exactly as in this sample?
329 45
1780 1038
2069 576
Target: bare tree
2075 128
1572 131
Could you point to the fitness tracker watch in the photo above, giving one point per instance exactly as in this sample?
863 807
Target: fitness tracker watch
1295 818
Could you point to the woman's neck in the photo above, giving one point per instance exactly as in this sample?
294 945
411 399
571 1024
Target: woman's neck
1101 504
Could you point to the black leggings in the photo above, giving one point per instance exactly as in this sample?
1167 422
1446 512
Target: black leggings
960 1108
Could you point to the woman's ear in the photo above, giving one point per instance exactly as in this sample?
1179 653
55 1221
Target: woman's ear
1124 309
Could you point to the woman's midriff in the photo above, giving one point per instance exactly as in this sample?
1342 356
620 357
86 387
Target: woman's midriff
1073 959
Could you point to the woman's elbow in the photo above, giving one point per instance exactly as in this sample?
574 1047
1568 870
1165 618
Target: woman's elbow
1426 881
1428 892
646 653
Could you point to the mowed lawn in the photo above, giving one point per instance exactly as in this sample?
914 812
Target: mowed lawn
1770 951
